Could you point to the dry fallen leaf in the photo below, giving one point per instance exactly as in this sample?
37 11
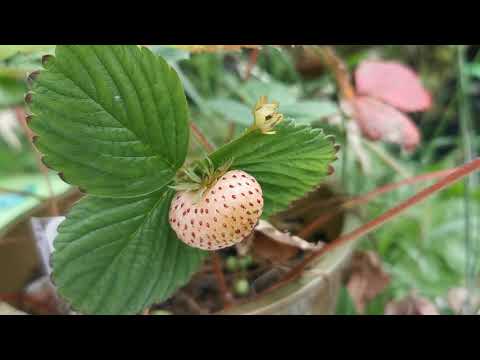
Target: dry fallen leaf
393 83
411 305
284 237
276 246
367 278
273 252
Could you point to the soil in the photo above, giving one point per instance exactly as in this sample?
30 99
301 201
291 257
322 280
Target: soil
270 260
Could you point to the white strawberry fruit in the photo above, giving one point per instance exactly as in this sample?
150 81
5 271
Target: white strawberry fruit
225 214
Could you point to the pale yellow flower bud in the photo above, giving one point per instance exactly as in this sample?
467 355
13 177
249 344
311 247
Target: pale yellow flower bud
266 115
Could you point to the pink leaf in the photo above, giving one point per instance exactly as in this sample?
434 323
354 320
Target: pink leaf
411 305
379 121
367 278
394 83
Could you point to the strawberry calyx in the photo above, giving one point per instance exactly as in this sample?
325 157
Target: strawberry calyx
200 176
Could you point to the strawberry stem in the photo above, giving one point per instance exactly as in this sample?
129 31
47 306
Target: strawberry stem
200 136
339 70
222 283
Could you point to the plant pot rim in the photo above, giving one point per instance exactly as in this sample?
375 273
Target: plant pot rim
316 276
8 227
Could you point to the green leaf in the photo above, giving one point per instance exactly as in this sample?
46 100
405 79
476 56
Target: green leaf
18 66
474 70
302 111
171 54
7 51
118 256
15 162
287 164
435 264
287 96
191 90
253 89
231 110
112 119
345 305
310 110
11 92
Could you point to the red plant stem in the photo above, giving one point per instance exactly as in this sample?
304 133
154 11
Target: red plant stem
202 139
360 200
390 214
222 284
251 63
52 201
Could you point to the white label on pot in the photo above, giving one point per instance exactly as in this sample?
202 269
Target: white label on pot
44 232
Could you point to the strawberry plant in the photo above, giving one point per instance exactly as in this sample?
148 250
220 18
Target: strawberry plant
114 121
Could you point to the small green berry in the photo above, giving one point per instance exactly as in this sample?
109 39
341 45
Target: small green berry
245 262
161 312
242 287
231 263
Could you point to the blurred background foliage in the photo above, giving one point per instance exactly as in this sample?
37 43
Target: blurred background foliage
423 250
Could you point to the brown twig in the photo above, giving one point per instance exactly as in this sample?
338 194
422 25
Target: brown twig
222 284
363 199
252 61
43 169
339 70
454 176
202 139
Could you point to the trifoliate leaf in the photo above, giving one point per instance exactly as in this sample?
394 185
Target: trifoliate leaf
118 256
287 164
112 119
